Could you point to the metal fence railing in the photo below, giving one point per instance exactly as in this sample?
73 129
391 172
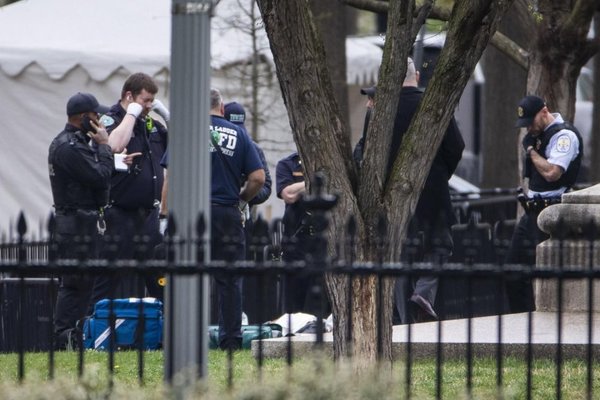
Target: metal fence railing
471 285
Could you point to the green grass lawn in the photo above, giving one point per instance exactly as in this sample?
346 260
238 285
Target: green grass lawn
308 377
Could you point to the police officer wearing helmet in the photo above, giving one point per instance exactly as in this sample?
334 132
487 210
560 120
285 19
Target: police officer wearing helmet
553 149
80 165
135 190
232 156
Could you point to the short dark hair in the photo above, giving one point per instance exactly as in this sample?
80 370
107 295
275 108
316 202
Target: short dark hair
138 82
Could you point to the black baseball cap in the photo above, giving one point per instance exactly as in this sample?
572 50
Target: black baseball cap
234 112
528 108
370 91
84 102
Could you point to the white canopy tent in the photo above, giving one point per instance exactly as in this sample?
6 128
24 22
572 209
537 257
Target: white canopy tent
49 50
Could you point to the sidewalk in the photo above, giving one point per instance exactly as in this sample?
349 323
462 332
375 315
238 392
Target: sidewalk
484 337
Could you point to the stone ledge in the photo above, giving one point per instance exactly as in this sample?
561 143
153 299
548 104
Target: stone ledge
589 195
484 338
569 220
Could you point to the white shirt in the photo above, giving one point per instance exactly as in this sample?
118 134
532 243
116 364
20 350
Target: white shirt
562 149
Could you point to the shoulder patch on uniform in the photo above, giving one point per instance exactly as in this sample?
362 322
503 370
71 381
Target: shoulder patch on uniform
107 120
563 143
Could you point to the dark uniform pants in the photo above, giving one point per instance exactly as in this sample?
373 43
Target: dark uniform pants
526 237
75 289
123 225
228 243
425 286
296 296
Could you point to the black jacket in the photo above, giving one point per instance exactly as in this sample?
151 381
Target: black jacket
434 209
79 173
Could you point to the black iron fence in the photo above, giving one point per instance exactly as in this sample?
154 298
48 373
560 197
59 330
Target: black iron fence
472 285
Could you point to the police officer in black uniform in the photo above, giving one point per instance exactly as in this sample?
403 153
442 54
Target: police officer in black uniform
554 150
297 229
136 190
80 164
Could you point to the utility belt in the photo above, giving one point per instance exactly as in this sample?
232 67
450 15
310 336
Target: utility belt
71 220
536 205
77 211
136 210
223 205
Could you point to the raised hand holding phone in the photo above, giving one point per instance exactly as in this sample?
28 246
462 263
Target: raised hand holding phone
97 132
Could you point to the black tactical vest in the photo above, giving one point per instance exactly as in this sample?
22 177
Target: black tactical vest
568 178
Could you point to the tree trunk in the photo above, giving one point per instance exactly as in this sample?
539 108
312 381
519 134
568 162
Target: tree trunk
333 33
319 133
505 84
558 53
324 145
560 50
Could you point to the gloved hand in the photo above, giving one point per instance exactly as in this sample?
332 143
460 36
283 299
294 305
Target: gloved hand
160 109
134 109
244 211
529 140
163 221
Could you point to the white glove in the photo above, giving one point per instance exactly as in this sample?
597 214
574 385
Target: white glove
134 109
162 224
244 211
160 109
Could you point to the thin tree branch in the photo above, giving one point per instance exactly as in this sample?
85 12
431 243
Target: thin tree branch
577 25
377 6
499 40
511 49
580 17
422 14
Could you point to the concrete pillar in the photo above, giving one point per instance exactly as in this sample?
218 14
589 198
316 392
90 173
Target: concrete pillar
571 220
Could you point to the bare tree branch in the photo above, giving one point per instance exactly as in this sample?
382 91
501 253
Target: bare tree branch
422 14
499 40
377 6
577 24
511 49
580 17
441 13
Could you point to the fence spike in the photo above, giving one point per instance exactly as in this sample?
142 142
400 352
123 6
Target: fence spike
51 225
200 225
260 234
171 225
21 224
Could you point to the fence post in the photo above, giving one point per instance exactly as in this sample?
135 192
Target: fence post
189 183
